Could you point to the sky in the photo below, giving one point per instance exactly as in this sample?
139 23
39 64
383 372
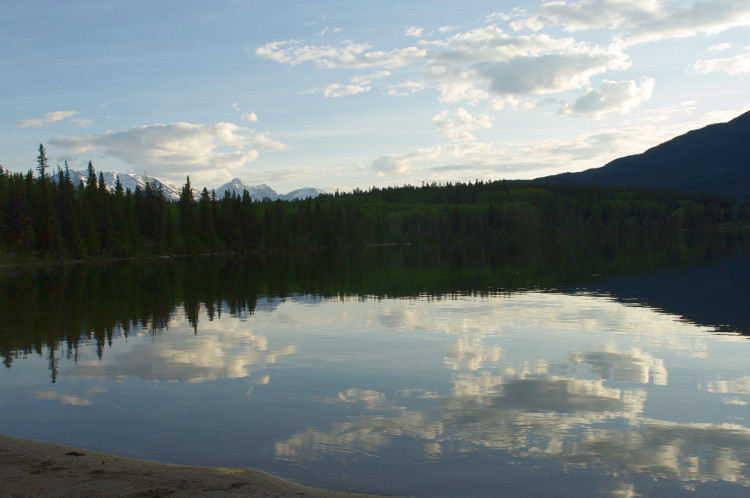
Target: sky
353 94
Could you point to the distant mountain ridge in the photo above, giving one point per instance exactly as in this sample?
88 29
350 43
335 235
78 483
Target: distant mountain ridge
259 192
715 158
172 191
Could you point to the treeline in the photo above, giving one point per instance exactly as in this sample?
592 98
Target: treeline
47 215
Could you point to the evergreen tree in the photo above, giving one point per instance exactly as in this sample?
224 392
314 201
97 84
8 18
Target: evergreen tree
207 231
186 206
89 209
71 216
91 179
41 161
103 215
248 222
48 233
21 221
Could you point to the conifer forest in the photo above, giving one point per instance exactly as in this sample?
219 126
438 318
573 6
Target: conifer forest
44 215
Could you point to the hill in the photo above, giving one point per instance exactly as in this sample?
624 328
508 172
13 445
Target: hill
711 159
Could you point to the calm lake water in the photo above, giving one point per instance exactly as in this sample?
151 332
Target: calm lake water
570 369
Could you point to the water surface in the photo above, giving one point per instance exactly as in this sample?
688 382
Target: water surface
414 371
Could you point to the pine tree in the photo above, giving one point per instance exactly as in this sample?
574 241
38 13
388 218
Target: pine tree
71 216
248 222
91 179
186 206
21 221
90 207
48 233
104 216
41 161
208 236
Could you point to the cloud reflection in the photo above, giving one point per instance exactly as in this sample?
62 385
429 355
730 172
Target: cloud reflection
634 366
735 386
231 351
579 407
65 399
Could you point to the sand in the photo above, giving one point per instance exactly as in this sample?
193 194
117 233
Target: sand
29 468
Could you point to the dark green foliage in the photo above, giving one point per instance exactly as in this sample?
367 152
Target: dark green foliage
42 163
188 228
57 220
51 309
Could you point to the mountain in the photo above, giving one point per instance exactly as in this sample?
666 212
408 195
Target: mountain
302 193
263 191
171 191
711 159
257 192
129 181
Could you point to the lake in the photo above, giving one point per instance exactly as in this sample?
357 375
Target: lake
568 368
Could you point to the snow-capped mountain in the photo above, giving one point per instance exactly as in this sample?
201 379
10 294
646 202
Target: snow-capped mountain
302 193
129 181
171 191
263 191
257 192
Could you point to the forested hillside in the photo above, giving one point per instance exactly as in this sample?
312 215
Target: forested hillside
41 218
712 159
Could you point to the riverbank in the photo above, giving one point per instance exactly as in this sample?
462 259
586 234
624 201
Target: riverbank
30 468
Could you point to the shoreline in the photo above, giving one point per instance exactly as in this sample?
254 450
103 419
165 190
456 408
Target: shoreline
32 468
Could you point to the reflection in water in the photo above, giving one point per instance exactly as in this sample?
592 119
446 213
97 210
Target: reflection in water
591 411
471 382
739 386
222 350
65 399
632 366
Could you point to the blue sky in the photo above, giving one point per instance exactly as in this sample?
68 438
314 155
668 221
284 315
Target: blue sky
344 94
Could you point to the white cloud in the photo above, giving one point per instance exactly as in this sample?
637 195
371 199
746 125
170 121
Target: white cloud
739 64
468 66
406 163
327 30
719 47
639 20
413 31
82 122
620 96
468 160
353 55
50 117
587 14
245 116
473 65
372 76
461 88
543 74
175 148
700 17
457 127
511 102
358 84
405 88
337 90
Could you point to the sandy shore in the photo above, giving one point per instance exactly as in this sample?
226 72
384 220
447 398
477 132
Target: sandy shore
29 468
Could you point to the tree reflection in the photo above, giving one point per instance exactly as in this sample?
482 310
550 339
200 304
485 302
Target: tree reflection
50 310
